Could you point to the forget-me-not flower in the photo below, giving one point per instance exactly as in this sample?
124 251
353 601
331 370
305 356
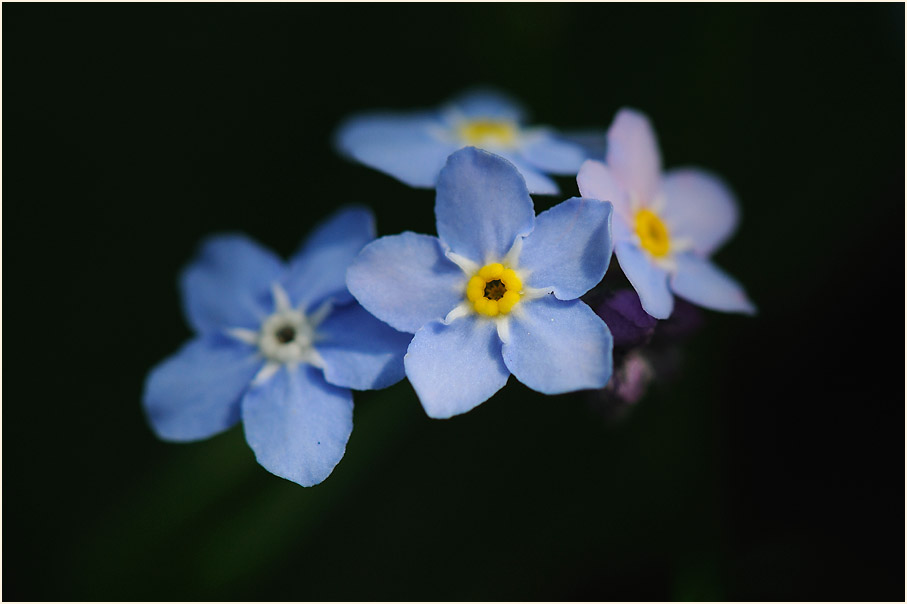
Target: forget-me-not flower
413 147
665 225
278 347
496 292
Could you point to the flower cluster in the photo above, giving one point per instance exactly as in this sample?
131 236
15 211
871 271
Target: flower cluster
499 290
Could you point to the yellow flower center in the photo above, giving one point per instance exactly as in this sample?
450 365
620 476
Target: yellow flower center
488 133
653 234
494 290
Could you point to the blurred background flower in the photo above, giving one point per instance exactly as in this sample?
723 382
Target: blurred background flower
768 468
413 146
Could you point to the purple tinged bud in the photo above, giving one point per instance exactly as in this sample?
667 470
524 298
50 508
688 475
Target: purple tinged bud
629 323
686 320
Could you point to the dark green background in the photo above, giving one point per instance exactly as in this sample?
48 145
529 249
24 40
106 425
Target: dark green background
771 468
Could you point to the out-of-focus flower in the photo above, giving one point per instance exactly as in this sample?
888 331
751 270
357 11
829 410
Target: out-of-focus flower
414 146
496 292
278 347
666 225
631 377
633 374
646 350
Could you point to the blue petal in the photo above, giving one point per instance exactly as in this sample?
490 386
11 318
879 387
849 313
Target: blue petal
570 248
195 393
405 146
703 283
699 206
649 281
487 103
455 367
633 154
536 182
228 283
318 270
297 424
595 180
558 346
482 205
359 351
406 281
547 152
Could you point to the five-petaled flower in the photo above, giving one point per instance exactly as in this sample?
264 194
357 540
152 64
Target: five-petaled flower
665 226
496 292
278 347
413 147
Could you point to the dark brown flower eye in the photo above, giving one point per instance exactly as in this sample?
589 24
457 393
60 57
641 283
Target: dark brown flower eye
285 334
494 290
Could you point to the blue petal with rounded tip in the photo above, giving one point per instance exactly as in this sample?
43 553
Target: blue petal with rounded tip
595 180
455 367
701 282
359 351
633 155
570 248
482 205
195 393
228 284
649 281
549 153
318 270
406 281
699 206
410 147
558 346
297 424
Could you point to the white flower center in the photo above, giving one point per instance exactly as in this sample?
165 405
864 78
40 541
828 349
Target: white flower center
286 336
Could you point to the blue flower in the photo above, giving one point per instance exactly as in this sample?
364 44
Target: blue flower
413 147
496 292
278 347
666 225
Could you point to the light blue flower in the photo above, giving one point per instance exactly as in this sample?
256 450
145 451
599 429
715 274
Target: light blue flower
665 225
278 347
414 146
496 292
